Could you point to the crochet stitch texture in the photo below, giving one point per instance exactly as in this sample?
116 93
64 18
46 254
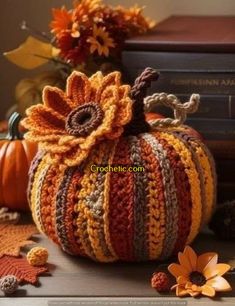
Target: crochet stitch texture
131 216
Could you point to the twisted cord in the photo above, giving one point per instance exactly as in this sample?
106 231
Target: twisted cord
180 109
138 93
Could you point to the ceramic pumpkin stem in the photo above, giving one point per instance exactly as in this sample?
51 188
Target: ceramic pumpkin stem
13 127
138 123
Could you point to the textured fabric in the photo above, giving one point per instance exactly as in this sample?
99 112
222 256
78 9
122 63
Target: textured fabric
131 216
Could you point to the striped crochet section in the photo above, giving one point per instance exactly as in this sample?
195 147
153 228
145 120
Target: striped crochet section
129 216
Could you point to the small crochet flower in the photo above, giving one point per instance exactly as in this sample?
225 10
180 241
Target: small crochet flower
37 256
9 284
199 274
160 281
69 124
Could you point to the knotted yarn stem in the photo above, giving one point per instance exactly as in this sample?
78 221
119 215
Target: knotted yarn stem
180 109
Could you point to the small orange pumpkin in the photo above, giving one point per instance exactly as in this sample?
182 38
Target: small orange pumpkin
16 155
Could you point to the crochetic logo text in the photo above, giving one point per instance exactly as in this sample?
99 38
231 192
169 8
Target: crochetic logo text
116 168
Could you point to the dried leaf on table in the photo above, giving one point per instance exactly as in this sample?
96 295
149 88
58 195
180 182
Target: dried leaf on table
32 53
13 237
20 268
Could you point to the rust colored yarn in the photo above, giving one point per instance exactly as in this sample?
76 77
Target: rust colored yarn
111 215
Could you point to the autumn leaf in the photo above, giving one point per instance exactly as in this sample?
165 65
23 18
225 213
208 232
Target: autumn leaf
32 53
13 237
21 269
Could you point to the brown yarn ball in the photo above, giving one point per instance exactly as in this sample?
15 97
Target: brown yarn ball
223 221
9 284
160 281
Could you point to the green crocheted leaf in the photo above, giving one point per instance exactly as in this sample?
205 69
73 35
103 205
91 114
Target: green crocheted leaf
13 237
20 268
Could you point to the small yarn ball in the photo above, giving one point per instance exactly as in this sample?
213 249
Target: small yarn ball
9 284
37 256
160 281
223 221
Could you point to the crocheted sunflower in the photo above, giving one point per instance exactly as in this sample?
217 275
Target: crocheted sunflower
68 124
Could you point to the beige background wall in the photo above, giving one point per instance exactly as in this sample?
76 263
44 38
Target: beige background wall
37 13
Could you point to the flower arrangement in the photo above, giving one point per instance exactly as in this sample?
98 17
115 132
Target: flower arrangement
88 38
92 29
84 37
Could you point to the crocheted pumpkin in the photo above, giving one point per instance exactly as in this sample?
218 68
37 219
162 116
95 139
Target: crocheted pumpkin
114 214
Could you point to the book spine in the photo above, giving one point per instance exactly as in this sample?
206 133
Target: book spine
211 106
214 129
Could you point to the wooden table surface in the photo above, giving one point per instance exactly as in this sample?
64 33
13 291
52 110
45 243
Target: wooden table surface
79 281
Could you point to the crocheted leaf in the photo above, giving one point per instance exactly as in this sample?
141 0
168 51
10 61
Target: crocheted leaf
13 237
20 267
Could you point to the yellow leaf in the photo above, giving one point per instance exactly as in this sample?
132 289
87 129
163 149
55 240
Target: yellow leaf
31 54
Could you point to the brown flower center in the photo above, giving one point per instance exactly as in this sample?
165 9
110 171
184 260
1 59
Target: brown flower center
84 119
100 40
197 278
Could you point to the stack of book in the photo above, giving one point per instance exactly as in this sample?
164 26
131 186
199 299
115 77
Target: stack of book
195 55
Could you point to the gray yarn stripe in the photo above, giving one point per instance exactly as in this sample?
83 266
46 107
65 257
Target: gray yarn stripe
140 208
95 202
171 203
61 203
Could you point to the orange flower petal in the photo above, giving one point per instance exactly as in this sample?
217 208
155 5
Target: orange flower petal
177 270
95 81
109 97
55 98
184 261
209 270
194 293
78 88
181 291
219 284
208 291
203 260
44 120
192 256
182 280
124 91
37 137
112 79
216 269
124 113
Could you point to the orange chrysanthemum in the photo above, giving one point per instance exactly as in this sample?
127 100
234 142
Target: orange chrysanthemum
199 274
85 9
69 124
62 20
100 41
135 19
